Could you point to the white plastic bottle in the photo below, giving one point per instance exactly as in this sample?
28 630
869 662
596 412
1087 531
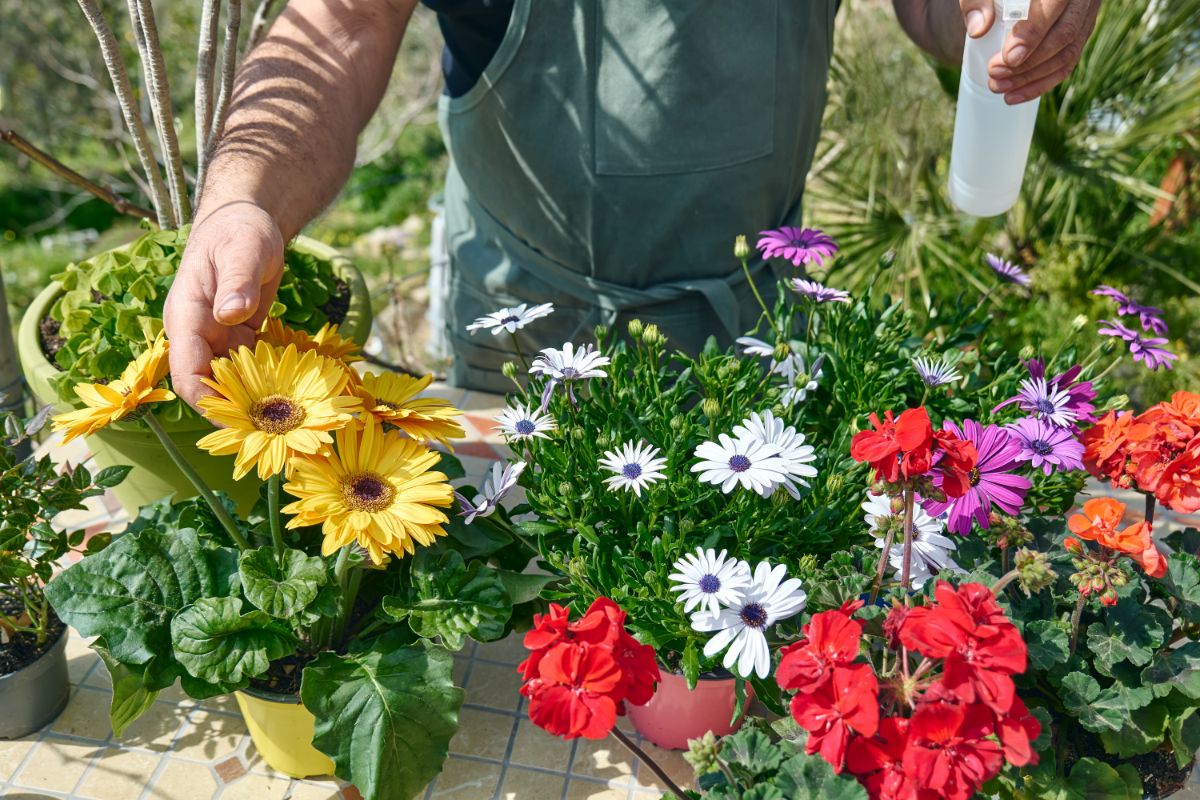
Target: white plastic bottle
991 137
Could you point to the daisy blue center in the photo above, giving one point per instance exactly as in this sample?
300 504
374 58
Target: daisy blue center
525 427
739 463
510 318
1041 447
1046 406
632 471
569 373
754 616
710 584
973 477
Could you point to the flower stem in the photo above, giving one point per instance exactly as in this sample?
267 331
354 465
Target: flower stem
883 559
273 513
1075 615
757 296
1004 581
520 352
1149 509
908 537
632 747
217 507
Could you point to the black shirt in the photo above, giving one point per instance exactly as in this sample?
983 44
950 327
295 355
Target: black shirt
473 30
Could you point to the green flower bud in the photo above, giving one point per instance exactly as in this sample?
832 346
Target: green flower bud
636 328
887 259
781 498
1080 322
711 407
565 489
601 331
782 351
653 336
1027 352
578 434
741 247
603 442
835 482
726 370
686 526
676 424
1033 571
509 369
702 752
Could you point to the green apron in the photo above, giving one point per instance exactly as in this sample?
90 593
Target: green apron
609 155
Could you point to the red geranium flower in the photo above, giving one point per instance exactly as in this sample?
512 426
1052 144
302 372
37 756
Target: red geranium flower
1017 729
830 640
959 457
847 703
878 761
573 695
548 630
895 447
604 623
947 753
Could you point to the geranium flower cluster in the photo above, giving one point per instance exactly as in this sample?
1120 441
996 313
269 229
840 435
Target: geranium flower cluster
907 450
1098 574
579 675
938 728
1157 451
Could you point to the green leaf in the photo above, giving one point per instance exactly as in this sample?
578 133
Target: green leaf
522 587
1183 731
130 696
804 777
691 664
1048 644
1097 711
111 476
129 592
217 643
451 467
1094 780
1132 632
1177 668
283 591
750 755
453 600
1144 733
385 714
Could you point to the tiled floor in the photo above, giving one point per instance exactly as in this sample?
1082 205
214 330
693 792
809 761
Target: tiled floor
186 750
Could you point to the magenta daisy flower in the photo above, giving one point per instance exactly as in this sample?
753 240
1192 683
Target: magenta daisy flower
1149 316
798 245
1147 350
1006 270
1063 400
991 480
819 293
1047 447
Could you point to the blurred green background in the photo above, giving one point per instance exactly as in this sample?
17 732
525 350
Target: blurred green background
1112 192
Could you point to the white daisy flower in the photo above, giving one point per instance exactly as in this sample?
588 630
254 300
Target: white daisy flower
930 549
800 383
880 514
636 466
750 463
499 481
798 456
936 372
519 422
567 366
510 319
710 580
742 626
757 347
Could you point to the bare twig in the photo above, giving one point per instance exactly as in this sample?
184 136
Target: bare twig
206 64
228 70
142 15
51 163
258 26
111 51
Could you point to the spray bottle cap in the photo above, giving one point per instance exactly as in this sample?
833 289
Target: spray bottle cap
1014 10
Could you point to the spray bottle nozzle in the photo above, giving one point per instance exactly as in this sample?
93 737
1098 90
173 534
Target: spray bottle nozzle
1014 10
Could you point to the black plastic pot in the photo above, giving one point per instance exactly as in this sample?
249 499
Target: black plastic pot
34 695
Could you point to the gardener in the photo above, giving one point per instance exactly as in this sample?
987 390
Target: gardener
604 153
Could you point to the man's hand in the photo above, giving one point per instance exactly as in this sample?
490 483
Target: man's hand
228 277
1041 51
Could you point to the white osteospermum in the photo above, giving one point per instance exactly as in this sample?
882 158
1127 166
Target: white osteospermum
756 347
930 549
749 463
499 481
801 383
510 319
708 579
797 455
568 365
742 626
636 466
879 513
936 372
519 422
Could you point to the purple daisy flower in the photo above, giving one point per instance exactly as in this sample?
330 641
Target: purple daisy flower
1047 447
1040 396
819 293
798 245
991 480
1149 316
1007 270
1147 350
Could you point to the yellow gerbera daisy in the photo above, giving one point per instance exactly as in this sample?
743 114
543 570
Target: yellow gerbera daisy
376 489
274 403
121 398
327 341
392 399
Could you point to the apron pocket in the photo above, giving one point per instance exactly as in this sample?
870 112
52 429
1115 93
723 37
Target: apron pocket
683 85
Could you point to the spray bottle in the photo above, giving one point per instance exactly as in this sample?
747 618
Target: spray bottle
991 137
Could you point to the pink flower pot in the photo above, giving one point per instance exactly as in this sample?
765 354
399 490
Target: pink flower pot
676 714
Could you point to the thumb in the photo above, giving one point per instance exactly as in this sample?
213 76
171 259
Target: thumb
242 266
978 15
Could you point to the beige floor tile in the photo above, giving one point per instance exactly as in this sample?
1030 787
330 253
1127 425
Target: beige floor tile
509 650
56 765
118 775
210 737
494 686
460 669
316 791
86 715
11 755
81 662
183 780
467 780
605 759
156 729
255 762
482 733
533 747
225 702
525 784
257 787
585 790
672 763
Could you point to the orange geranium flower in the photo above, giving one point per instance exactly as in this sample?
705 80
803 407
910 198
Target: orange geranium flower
1100 523
1106 446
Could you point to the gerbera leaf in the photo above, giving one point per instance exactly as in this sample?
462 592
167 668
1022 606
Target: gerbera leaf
282 589
524 588
218 643
385 713
453 600
131 697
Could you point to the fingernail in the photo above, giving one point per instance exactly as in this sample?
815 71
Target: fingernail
1014 98
1000 70
975 22
1016 55
234 302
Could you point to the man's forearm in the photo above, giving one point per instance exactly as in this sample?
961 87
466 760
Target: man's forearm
300 101
935 25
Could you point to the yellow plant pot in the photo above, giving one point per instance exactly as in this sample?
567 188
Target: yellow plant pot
282 730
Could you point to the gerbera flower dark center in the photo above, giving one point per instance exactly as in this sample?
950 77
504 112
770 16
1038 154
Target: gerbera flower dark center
709 584
525 427
1041 447
754 616
973 477
367 492
739 463
632 471
386 405
276 414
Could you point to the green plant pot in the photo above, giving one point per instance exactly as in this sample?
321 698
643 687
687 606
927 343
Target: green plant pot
154 476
